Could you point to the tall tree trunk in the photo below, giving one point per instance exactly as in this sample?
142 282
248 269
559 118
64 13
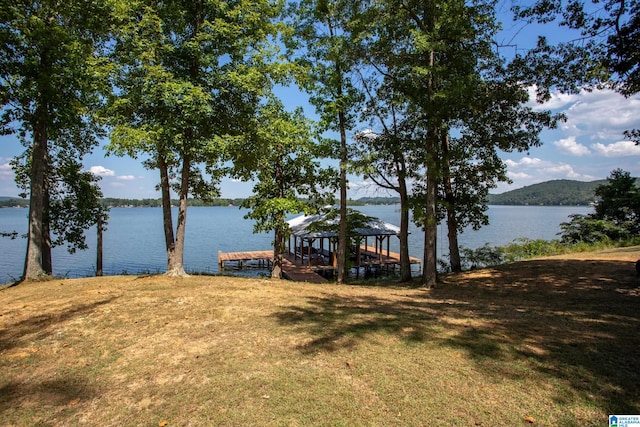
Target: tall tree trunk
430 270
47 262
454 248
342 231
450 202
405 263
175 257
33 260
278 237
278 248
176 262
342 126
167 219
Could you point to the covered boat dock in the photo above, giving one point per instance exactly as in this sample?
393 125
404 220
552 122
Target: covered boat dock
313 242
311 251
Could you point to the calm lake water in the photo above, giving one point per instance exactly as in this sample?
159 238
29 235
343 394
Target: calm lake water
134 241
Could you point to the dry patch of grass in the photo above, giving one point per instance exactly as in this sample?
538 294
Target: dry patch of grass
552 339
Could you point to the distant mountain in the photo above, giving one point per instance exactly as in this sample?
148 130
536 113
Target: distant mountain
552 193
11 202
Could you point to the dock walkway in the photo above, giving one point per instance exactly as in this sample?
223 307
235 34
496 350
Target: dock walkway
299 271
383 258
242 258
290 269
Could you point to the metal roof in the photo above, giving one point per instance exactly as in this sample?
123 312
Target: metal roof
301 226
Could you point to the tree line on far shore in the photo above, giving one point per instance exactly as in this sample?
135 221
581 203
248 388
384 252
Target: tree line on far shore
115 202
562 192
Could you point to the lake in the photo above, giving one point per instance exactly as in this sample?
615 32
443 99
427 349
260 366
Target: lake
134 240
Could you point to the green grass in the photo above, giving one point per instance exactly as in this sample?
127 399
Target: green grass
556 340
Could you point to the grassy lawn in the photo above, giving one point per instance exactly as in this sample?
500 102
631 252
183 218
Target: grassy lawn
552 341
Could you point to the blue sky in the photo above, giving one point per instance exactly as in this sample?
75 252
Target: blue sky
587 147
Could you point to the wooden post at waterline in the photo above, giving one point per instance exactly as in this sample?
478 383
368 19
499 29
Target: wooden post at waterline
99 248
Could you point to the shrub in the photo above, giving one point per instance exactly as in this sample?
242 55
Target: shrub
484 256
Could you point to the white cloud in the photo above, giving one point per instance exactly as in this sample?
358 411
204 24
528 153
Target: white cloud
367 133
126 177
558 100
571 146
518 175
7 184
531 161
525 161
101 171
6 171
592 135
532 170
617 149
602 115
562 170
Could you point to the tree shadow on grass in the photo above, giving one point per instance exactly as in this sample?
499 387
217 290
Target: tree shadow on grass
41 325
578 321
59 394
62 392
575 321
337 321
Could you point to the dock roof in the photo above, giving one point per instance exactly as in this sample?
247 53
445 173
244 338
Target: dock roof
323 226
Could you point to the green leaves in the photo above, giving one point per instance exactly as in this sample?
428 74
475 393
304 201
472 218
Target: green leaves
189 78
52 82
281 156
616 216
48 55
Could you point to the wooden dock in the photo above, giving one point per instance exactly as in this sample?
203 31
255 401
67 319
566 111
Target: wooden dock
290 269
299 271
384 257
263 258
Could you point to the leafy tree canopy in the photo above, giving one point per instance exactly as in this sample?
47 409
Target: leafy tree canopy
603 51
616 216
